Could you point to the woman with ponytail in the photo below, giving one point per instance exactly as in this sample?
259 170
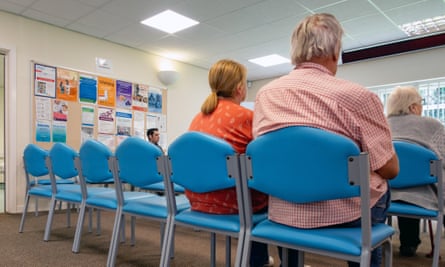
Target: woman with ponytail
222 116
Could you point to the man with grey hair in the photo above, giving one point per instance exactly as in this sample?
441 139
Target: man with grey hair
311 95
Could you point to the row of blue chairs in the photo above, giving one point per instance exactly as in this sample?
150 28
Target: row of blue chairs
38 183
300 165
133 164
331 166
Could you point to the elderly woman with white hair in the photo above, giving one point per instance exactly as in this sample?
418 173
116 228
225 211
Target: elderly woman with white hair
404 110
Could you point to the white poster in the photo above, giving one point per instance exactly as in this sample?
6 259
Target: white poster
138 124
45 80
87 115
106 118
153 120
43 108
107 139
123 122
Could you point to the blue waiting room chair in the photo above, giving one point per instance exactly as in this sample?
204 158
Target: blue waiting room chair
419 166
202 163
93 165
38 183
303 165
34 162
61 162
138 163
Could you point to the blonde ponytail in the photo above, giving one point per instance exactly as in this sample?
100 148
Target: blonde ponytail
210 104
224 77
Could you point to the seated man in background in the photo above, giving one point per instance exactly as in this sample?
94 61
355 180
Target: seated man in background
153 137
404 111
311 95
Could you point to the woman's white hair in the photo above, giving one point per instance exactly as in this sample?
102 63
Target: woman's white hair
400 99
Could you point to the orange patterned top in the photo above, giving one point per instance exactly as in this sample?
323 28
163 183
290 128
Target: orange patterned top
232 123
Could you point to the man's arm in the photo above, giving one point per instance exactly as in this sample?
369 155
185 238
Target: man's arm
390 169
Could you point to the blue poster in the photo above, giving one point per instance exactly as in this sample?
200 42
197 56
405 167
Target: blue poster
59 132
87 89
43 132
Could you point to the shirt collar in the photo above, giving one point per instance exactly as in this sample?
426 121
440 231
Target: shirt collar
311 65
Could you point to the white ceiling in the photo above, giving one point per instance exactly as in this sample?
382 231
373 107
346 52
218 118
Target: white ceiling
236 29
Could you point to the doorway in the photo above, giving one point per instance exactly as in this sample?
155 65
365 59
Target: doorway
2 133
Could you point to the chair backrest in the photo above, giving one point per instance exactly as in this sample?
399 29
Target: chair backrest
415 163
303 164
34 160
61 158
199 162
137 162
94 161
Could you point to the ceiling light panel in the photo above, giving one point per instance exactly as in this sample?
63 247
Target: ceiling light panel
426 26
270 60
169 21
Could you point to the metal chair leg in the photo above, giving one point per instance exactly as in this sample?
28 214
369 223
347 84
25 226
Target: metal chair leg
36 211
49 220
78 233
114 243
228 251
212 249
133 232
90 220
98 223
25 210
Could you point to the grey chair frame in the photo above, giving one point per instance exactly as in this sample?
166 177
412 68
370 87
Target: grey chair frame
357 173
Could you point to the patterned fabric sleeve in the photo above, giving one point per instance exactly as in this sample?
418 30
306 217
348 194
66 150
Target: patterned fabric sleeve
376 134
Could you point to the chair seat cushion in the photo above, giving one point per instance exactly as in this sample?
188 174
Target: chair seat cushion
69 192
108 199
408 209
70 196
337 240
73 193
152 206
148 206
68 187
222 222
41 190
48 181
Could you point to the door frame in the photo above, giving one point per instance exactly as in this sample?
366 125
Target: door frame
10 127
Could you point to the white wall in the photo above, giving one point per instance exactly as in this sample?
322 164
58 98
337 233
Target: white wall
420 65
54 46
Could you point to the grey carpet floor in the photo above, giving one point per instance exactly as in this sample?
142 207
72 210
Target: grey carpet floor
191 247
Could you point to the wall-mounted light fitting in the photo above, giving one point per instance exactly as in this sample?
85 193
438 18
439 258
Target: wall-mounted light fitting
168 77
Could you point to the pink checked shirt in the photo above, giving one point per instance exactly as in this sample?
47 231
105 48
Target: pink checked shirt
311 95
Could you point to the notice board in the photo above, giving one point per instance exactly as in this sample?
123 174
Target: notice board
71 106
